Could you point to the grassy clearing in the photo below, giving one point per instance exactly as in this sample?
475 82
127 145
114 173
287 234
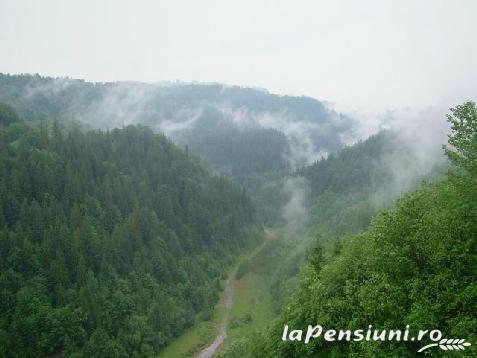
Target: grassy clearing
252 309
204 332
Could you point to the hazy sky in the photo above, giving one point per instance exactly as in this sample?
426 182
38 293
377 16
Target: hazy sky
365 55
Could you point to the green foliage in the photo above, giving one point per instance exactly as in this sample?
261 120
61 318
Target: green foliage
8 115
415 265
111 243
353 169
350 187
463 120
239 152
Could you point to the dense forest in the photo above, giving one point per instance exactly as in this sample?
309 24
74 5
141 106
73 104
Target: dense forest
111 242
349 187
251 136
416 264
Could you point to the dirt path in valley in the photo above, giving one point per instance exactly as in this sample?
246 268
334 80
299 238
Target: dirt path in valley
210 350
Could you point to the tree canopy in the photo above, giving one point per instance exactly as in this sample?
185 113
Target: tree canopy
111 243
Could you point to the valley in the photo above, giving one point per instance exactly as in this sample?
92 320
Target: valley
238 179
207 217
242 297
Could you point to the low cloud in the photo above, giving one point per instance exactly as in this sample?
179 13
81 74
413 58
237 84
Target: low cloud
308 141
295 213
417 147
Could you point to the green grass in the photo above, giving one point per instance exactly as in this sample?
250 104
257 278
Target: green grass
252 309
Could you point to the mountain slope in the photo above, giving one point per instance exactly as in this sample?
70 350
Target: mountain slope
348 187
111 242
252 136
308 125
415 265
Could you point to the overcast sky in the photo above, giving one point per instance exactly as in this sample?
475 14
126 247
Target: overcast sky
365 55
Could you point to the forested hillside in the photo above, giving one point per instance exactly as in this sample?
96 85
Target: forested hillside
210 110
415 265
252 136
111 241
350 186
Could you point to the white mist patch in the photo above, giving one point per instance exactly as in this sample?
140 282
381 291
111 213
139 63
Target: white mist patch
295 212
184 120
52 87
123 104
417 149
113 105
301 135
